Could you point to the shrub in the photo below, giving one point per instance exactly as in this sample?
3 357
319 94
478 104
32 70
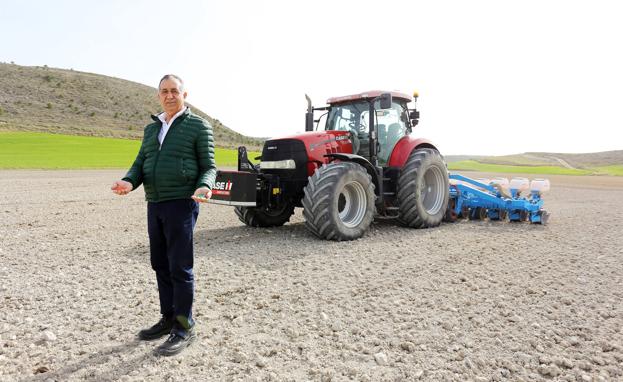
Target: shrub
47 78
92 114
116 115
49 105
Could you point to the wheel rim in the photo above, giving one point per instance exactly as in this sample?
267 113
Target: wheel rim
352 204
432 194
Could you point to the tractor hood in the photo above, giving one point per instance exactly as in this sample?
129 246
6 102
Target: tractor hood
314 145
320 141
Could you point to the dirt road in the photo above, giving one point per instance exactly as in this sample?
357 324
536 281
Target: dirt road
474 301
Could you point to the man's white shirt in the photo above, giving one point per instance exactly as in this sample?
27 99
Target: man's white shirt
165 126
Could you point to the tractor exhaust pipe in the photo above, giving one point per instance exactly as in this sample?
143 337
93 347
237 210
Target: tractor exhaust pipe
309 116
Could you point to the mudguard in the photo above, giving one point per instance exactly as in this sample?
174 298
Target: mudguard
404 147
363 162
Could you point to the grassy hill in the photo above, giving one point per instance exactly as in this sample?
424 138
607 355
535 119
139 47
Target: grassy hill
49 100
601 163
70 102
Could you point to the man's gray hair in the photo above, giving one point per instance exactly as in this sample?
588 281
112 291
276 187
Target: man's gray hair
169 77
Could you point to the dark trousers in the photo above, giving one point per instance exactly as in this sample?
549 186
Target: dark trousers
170 225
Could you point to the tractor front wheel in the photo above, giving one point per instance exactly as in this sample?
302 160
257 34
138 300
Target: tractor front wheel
339 201
265 217
423 189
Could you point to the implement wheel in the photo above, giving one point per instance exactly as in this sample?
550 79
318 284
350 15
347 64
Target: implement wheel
464 212
544 217
501 214
423 189
339 201
477 213
451 216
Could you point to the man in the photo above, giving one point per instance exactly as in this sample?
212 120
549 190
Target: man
176 166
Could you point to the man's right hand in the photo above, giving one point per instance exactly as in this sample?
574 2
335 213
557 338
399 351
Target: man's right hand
121 187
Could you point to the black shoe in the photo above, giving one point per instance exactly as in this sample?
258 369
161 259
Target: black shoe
176 342
161 329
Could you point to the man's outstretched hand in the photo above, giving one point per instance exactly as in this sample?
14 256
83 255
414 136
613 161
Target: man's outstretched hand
121 187
202 194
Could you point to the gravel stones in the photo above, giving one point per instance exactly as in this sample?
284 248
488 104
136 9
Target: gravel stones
48 336
381 359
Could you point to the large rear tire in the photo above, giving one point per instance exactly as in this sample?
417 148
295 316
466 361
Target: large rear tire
423 189
339 201
262 217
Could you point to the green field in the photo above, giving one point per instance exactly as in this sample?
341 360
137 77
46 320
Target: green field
609 170
470 165
29 150
55 151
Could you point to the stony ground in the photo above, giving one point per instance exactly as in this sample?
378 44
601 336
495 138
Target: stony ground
474 301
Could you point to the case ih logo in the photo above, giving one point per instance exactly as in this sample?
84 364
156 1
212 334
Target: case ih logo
222 188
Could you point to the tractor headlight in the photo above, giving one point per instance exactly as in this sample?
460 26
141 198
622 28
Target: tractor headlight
287 164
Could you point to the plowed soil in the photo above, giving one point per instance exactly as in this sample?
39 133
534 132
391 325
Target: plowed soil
473 300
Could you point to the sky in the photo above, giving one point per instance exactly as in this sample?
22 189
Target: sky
494 77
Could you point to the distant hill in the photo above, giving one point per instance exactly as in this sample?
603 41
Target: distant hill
578 161
459 158
77 103
601 163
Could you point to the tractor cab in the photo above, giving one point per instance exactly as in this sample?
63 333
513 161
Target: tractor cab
391 122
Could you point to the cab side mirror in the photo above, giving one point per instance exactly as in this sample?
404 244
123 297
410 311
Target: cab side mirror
414 116
385 100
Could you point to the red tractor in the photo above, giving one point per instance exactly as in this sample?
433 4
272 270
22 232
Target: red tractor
364 164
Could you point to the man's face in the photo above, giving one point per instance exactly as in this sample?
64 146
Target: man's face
171 96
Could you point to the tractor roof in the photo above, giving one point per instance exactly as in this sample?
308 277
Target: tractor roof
367 95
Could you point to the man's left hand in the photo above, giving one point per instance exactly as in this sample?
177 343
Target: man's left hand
202 194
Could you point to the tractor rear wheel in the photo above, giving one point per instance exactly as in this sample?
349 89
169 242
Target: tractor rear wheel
423 189
339 201
265 217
